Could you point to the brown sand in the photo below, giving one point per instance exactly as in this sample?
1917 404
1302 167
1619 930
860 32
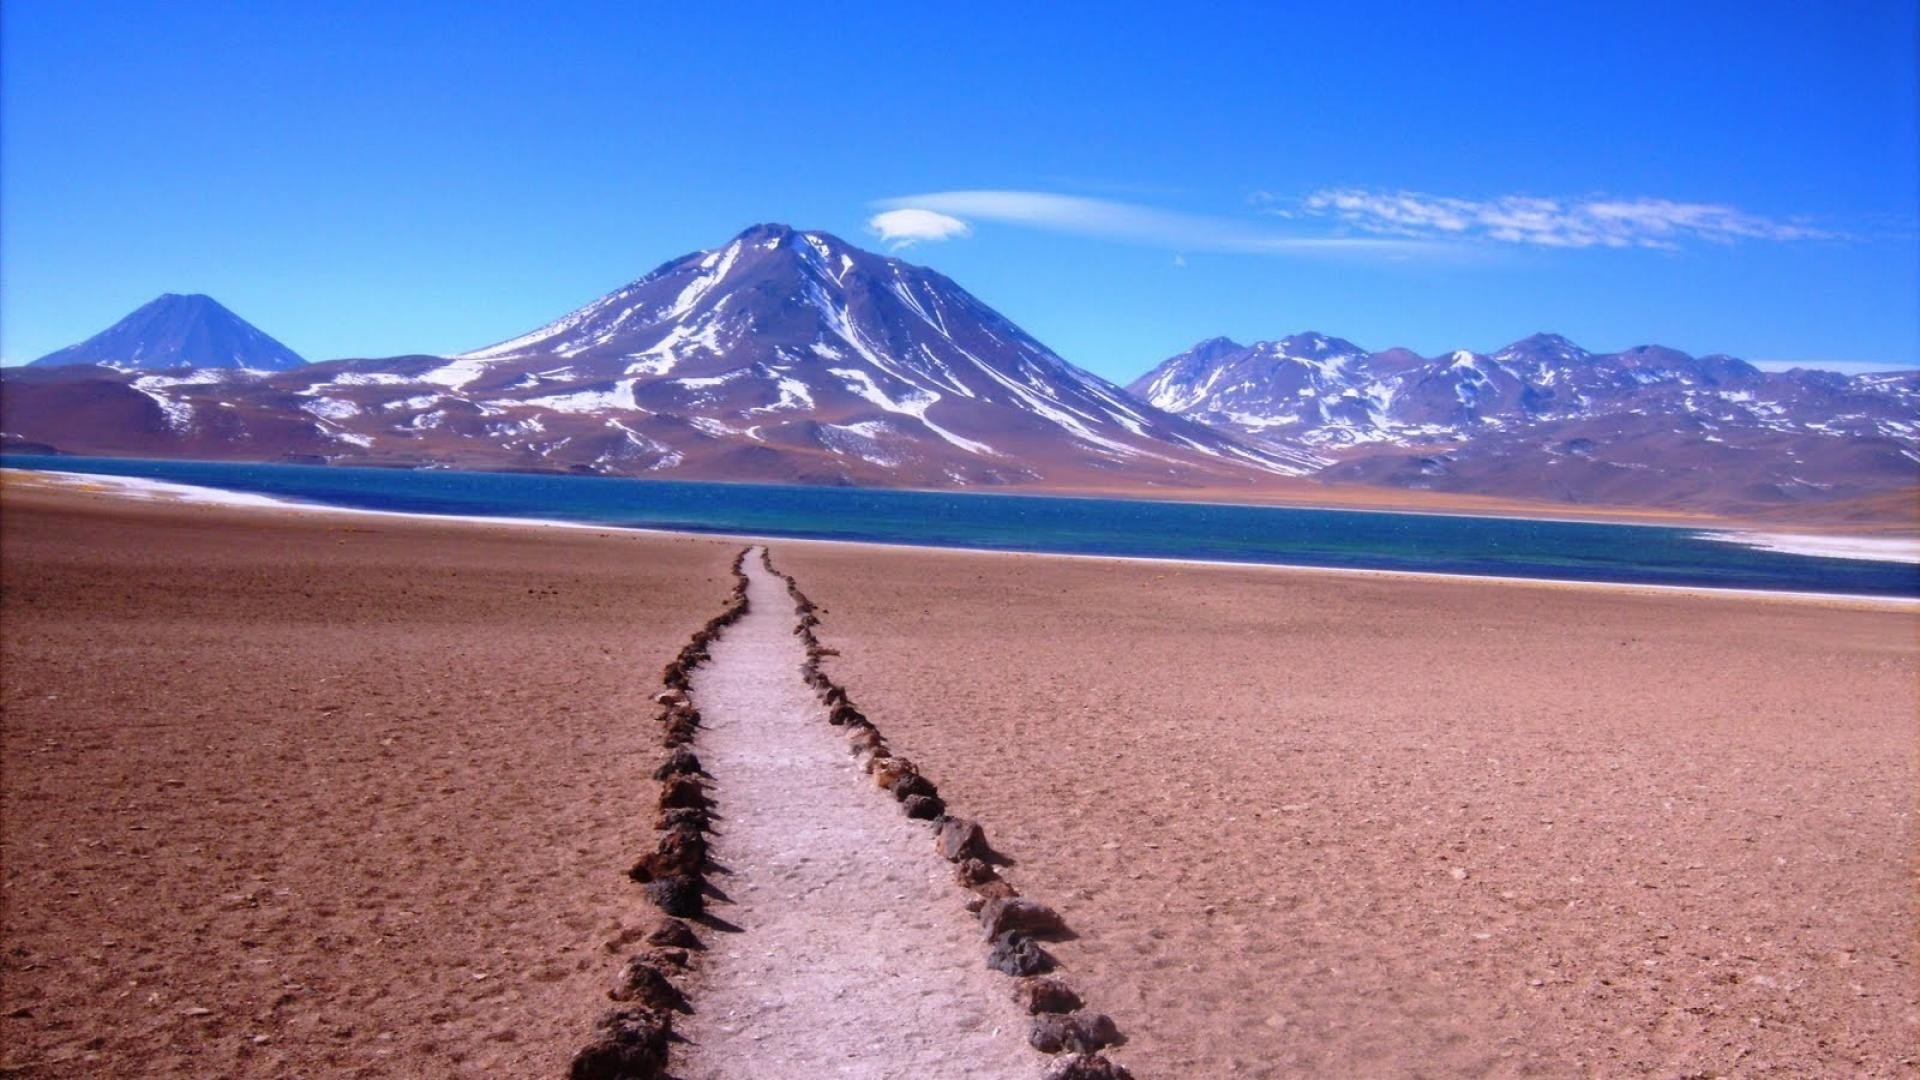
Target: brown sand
305 795
1316 825
361 789
855 957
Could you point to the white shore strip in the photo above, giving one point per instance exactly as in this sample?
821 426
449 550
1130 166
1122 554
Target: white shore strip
1897 549
153 490
146 490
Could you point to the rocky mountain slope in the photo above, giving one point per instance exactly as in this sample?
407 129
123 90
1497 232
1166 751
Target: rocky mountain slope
174 332
780 355
1544 418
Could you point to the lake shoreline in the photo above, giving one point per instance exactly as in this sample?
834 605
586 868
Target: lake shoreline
145 489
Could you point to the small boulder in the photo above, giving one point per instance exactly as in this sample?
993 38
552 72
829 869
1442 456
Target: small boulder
923 807
641 982
683 791
960 839
1042 995
679 851
1014 954
655 865
910 785
891 770
1021 914
1078 1033
682 817
680 762
674 934
678 896
628 1044
972 872
995 889
1087 1067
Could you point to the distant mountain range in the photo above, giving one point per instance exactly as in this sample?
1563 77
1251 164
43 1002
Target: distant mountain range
1546 419
795 356
175 332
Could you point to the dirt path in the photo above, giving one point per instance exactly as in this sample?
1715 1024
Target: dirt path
855 956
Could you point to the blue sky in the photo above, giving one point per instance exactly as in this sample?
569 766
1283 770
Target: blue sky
372 179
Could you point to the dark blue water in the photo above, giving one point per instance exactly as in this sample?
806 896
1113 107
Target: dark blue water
1330 538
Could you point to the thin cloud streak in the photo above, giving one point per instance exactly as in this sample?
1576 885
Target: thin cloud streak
1146 226
1594 221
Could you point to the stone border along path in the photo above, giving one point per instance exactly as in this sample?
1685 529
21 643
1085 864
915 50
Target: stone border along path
632 1042
842 962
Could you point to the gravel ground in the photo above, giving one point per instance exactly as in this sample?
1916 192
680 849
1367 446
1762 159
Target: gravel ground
1317 825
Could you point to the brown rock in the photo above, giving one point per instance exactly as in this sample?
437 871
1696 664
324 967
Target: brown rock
923 807
1086 1067
1041 995
910 785
1018 913
1079 1033
628 1044
960 839
680 850
681 761
972 872
674 934
677 896
677 817
683 791
679 711
641 982
889 771
996 889
1016 954
676 861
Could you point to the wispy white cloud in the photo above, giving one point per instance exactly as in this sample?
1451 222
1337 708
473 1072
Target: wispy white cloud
910 225
1143 225
1595 221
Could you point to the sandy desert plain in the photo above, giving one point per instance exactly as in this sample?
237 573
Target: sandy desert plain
303 794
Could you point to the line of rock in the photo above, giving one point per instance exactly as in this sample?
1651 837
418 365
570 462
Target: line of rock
1014 925
632 1042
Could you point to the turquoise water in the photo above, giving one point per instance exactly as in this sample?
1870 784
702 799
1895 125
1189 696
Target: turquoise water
1273 535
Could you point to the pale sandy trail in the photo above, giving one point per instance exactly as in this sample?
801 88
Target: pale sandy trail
855 956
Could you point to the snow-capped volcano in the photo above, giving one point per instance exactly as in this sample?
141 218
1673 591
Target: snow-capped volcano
802 341
778 355
174 331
